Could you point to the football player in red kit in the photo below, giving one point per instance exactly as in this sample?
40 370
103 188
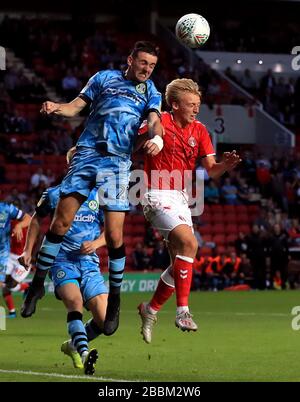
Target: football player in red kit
166 201
15 272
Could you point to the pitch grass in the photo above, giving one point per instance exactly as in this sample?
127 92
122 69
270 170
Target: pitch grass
242 336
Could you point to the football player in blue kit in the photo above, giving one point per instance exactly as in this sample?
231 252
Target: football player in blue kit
119 101
75 273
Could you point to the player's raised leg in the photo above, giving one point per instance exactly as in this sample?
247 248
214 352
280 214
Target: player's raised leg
62 220
148 311
183 247
114 222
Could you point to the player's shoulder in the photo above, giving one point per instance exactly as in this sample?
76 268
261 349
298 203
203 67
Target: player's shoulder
199 125
104 75
52 192
151 86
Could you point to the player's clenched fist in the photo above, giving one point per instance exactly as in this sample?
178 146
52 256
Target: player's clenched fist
49 107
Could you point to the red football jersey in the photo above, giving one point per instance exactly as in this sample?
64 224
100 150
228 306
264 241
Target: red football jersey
182 148
16 247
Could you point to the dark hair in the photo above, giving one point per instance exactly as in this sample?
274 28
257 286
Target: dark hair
144 46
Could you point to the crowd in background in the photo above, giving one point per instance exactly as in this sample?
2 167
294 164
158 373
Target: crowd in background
258 259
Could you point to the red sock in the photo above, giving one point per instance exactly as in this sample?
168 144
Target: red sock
162 293
9 302
24 286
183 272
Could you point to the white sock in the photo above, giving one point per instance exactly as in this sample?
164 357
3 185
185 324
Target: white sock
182 309
151 310
84 355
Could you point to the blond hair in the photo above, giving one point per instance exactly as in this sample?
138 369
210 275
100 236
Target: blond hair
70 154
179 86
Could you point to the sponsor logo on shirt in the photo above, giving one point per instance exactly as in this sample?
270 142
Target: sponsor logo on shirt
3 219
85 218
124 93
192 142
141 88
60 274
93 205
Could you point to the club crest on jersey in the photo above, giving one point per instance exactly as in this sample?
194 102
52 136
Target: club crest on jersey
93 205
192 142
141 88
60 274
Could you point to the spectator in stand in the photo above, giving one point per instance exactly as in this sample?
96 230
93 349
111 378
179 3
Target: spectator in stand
141 259
160 258
279 254
262 220
16 198
211 192
267 82
2 174
264 178
244 195
70 85
229 192
248 82
256 252
245 272
37 90
37 178
25 153
64 141
294 232
241 244
50 177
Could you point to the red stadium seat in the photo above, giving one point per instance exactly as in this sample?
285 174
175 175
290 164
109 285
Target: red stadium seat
216 208
245 228
230 218
219 239
243 218
206 229
218 228
232 228
217 218
136 219
241 209
229 209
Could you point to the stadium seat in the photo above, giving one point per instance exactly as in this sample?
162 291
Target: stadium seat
241 209
219 239
218 228
206 229
232 228
230 218
216 208
138 219
217 217
245 228
243 218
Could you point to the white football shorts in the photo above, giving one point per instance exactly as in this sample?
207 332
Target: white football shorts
167 209
15 269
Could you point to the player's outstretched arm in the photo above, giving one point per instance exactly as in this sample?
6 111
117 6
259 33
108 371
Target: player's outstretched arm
216 169
89 247
64 109
155 132
18 229
31 238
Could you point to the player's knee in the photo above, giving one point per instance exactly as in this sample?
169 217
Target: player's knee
114 238
10 283
5 290
60 226
189 246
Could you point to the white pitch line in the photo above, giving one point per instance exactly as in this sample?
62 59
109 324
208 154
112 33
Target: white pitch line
57 375
249 313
